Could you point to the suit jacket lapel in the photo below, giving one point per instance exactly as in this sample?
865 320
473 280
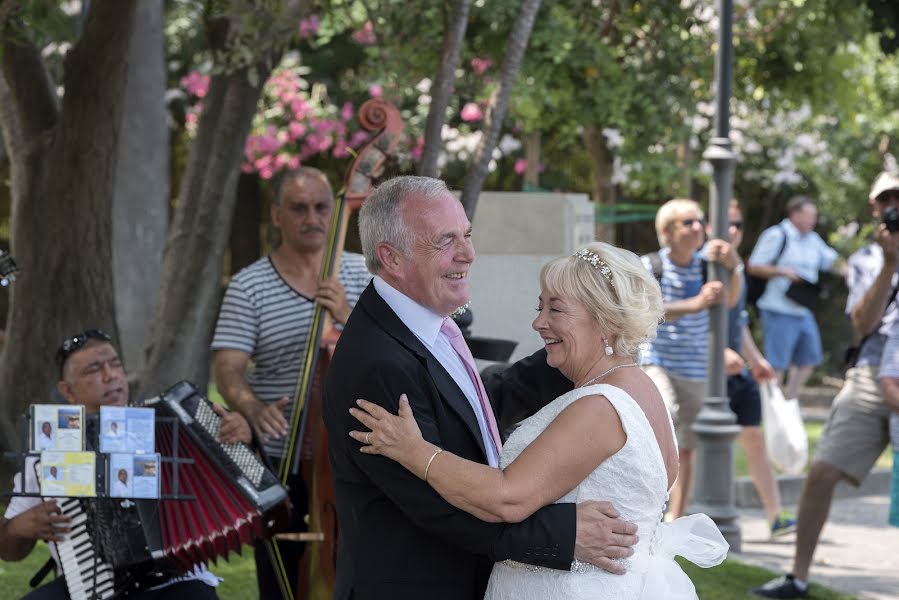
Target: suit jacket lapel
372 303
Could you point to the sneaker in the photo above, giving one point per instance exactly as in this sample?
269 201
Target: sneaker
782 587
784 523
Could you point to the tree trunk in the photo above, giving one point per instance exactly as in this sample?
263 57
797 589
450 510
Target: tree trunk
602 167
455 24
532 157
192 267
245 243
499 103
63 165
141 200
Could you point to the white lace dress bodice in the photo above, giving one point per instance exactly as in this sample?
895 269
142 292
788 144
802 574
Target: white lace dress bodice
635 481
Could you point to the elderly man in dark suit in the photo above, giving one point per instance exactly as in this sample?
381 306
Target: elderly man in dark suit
398 538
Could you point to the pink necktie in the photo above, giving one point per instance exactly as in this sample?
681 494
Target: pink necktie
454 335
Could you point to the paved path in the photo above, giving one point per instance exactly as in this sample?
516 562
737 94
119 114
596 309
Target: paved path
858 552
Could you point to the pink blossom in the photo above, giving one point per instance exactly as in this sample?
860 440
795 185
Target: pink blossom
295 130
346 113
191 118
309 27
521 165
266 173
300 108
196 84
268 143
366 35
357 138
246 168
418 149
471 112
293 163
375 90
340 150
479 65
263 162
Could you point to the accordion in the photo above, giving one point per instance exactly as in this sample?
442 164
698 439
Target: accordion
118 546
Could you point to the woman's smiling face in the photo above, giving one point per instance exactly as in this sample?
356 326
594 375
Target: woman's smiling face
570 333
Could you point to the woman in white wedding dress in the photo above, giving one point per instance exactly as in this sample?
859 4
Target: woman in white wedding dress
608 439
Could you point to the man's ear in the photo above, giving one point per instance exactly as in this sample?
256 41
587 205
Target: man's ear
389 258
65 390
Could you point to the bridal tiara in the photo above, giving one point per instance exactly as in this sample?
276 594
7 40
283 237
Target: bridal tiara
598 263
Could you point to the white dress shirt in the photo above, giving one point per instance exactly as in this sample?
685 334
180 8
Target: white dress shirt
425 324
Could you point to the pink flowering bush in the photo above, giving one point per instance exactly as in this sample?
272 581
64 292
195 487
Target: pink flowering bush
293 123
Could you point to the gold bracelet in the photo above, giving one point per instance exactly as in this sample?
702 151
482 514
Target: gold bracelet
430 460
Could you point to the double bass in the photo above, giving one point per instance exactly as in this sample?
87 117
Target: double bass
306 448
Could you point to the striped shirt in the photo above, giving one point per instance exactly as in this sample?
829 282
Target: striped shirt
681 345
269 320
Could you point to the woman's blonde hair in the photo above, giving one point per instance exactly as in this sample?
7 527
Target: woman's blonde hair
625 300
667 214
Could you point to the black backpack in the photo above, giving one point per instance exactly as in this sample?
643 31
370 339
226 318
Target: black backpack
755 286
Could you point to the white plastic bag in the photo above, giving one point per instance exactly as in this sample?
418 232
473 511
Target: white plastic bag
784 432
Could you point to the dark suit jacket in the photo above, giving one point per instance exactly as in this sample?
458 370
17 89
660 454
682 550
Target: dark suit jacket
398 538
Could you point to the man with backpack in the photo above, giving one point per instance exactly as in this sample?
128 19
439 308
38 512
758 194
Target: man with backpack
677 359
790 256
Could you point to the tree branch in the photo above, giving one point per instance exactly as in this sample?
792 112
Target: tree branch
493 120
31 108
455 24
6 9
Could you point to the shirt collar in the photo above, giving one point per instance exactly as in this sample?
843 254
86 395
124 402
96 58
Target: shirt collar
421 321
791 230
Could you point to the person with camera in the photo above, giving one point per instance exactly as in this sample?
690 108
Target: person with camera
857 429
791 255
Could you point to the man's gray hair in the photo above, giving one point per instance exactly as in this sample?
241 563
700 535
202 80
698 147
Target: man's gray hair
381 217
797 203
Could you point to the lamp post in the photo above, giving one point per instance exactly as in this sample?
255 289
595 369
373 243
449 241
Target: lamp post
715 425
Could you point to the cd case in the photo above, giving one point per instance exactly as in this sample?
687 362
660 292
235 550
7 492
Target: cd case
133 475
126 429
57 427
68 474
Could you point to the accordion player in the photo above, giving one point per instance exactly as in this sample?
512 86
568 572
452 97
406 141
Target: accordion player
214 499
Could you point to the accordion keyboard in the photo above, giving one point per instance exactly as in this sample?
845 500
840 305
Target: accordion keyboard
88 577
242 458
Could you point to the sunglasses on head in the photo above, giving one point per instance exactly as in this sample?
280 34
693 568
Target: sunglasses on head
77 342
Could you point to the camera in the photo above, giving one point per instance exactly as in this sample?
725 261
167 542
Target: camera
891 219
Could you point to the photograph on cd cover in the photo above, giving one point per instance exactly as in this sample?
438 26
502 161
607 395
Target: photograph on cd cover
134 475
57 427
68 474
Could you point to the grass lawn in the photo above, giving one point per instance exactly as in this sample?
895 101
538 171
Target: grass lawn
814 434
729 581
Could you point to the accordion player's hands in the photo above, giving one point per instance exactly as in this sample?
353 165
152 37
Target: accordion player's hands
43 522
234 427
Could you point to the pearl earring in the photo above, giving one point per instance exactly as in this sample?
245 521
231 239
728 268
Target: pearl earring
609 350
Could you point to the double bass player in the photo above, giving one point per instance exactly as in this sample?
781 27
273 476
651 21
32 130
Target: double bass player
263 327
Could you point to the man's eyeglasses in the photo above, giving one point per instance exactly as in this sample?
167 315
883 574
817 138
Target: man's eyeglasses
691 222
738 225
77 342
